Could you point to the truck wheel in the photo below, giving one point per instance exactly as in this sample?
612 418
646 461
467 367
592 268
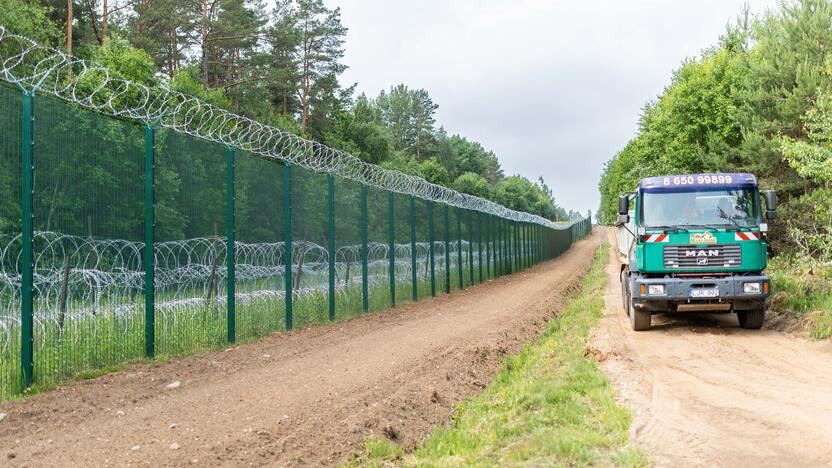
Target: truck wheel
751 319
625 293
639 319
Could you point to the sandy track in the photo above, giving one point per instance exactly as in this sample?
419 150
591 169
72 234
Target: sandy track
705 392
309 397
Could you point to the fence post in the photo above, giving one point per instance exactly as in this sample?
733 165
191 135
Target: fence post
447 247
149 227
470 247
287 241
459 247
365 293
230 251
414 283
391 217
430 249
330 240
27 354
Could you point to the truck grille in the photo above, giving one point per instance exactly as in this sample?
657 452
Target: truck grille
711 256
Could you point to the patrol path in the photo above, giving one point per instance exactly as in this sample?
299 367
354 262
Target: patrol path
308 397
705 392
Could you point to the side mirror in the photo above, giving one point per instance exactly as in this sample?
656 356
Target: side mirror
622 219
771 204
623 205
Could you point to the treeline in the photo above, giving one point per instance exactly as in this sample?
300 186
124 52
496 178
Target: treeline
759 101
280 64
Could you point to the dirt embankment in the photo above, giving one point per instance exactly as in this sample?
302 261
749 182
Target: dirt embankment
309 397
705 392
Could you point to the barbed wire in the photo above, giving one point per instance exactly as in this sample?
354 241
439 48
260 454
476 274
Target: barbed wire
82 279
37 68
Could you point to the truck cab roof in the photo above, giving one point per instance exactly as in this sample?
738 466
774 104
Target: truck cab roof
690 182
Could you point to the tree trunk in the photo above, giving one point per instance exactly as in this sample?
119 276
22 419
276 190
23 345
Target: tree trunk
205 44
104 16
69 20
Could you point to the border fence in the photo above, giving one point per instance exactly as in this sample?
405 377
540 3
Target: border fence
136 222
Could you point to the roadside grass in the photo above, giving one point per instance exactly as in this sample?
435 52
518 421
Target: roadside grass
805 290
549 405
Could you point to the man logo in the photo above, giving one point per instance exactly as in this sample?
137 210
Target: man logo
702 253
702 238
702 261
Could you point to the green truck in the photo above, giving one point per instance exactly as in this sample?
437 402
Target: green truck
695 243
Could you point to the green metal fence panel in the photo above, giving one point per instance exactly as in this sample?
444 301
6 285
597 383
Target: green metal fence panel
259 254
231 297
402 249
365 252
11 311
190 249
391 246
479 247
348 258
310 263
431 249
381 269
330 242
27 266
446 247
459 262
85 205
471 238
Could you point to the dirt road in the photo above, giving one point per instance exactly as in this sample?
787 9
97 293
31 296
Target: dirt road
308 397
705 392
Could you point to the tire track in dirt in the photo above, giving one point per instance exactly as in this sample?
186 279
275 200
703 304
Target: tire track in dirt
307 397
705 392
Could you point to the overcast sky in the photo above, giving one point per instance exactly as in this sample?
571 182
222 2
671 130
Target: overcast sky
553 87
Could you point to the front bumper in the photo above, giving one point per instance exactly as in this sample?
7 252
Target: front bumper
677 293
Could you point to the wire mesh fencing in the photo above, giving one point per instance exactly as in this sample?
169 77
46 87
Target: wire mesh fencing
124 237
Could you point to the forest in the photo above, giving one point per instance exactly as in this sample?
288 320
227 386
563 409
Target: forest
760 101
280 64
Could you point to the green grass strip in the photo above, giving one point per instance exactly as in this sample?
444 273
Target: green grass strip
549 405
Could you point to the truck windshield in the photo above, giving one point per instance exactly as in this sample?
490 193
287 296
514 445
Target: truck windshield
722 207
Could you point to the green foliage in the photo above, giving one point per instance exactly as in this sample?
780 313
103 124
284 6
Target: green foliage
28 18
518 193
127 62
803 288
434 172
186 81
473 184
757 102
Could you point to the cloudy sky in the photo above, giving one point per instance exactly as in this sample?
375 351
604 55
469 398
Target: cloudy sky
553 87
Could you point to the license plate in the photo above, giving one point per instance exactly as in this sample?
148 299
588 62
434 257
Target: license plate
704 293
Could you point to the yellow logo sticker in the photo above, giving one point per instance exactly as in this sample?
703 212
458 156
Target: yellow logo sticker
702 238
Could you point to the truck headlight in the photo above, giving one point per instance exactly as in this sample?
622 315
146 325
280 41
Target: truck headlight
751 288
655 290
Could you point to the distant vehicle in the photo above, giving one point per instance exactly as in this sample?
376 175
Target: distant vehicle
695 243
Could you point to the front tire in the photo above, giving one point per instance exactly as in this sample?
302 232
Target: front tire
751 319
639 319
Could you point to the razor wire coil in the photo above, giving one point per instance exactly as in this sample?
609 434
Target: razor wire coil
37 68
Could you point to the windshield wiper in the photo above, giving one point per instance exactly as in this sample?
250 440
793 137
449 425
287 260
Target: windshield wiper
697 226
668 228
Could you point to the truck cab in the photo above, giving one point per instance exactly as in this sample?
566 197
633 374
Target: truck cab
695 243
